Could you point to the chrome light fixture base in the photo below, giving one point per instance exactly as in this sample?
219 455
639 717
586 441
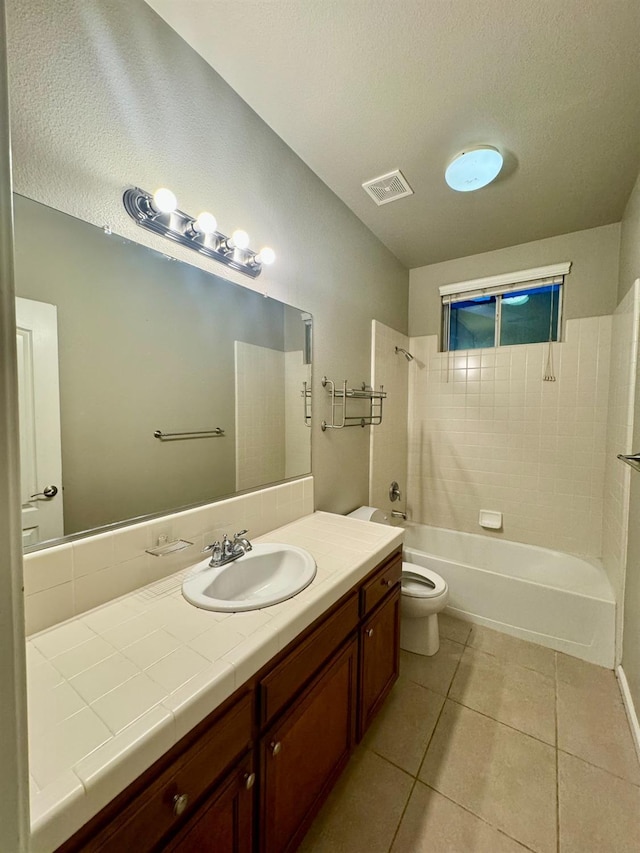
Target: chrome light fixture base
179 227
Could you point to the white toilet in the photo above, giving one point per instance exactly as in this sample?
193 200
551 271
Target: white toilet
423 595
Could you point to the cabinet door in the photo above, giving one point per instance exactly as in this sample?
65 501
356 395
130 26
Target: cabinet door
379 658
224 823
304 754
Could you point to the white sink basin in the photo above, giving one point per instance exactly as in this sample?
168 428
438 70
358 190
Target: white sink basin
267 575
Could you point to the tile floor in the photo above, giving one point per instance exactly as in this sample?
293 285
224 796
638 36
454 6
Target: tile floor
494 745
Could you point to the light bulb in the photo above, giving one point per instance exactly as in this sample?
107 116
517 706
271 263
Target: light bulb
474 168
266 256
206 223
164 201
240 239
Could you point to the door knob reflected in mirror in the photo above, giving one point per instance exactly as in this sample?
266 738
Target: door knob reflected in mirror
47 492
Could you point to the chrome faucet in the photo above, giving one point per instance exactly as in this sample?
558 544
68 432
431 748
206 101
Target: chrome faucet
227 550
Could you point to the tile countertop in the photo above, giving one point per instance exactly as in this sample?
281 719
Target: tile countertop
112 690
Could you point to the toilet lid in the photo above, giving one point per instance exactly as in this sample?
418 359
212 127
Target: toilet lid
418 582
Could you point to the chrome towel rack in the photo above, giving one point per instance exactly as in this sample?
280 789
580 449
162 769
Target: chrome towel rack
197 433
632 459
339 396
306 396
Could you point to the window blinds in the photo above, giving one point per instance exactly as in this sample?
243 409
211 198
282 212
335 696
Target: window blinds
498 285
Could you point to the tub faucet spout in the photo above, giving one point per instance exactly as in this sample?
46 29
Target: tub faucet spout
397 514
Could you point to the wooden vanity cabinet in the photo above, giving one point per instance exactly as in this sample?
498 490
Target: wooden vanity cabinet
302 756
225 822
379 658
170 793
253 775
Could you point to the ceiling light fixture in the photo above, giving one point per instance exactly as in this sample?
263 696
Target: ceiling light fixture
158 212
474 168
516 300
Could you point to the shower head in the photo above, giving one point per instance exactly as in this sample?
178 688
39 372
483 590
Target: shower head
406 354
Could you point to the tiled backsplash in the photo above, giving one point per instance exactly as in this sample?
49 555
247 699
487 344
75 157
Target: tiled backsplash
388 447
64 580
485 432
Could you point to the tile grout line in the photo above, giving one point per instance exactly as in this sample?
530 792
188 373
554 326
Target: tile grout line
502 723
598 767
415 778
479 817
424 755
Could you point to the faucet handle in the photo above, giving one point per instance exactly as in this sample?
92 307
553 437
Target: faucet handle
241 533
210 547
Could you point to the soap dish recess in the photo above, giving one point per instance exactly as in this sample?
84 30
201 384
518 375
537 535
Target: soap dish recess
490 519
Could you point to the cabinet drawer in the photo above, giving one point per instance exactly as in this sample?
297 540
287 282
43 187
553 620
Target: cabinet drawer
224 824
284 681
375 589
153 814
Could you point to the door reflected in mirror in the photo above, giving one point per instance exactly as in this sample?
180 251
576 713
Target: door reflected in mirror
146 344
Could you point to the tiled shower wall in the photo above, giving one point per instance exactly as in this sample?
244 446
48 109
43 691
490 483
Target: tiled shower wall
622 383
260 445
297 433
388 445
486 432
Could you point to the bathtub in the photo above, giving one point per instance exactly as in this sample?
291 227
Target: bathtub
547 597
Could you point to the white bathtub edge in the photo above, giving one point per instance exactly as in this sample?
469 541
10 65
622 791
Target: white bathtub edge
601 652
629 707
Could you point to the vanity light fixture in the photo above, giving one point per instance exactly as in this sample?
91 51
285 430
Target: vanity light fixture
158 212
474 168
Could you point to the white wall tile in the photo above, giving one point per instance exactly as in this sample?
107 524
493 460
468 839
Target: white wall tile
45 569
509 441
388 441
67 580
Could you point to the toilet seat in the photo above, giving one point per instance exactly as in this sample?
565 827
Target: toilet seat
418 582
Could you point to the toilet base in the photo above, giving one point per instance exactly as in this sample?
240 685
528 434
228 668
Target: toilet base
421 635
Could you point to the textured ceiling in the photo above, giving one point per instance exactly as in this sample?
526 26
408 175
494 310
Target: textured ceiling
358 88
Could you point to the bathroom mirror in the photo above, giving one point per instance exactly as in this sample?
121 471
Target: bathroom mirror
146 344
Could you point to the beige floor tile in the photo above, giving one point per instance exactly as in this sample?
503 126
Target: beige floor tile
363 810
435 672
514 650
512 694
503 776
453 629
579 673
598 812
592 724
433 824
404 725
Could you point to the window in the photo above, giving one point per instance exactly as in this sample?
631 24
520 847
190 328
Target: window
515 308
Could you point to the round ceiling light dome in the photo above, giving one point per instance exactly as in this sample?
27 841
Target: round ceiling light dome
474 168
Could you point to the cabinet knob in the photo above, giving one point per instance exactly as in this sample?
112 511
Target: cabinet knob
385 582
275 747
249 780
180 802
369 632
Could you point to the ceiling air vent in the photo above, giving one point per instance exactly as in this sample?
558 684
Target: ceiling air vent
388 188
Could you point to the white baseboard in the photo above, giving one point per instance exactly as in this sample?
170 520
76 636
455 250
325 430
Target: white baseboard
629 707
